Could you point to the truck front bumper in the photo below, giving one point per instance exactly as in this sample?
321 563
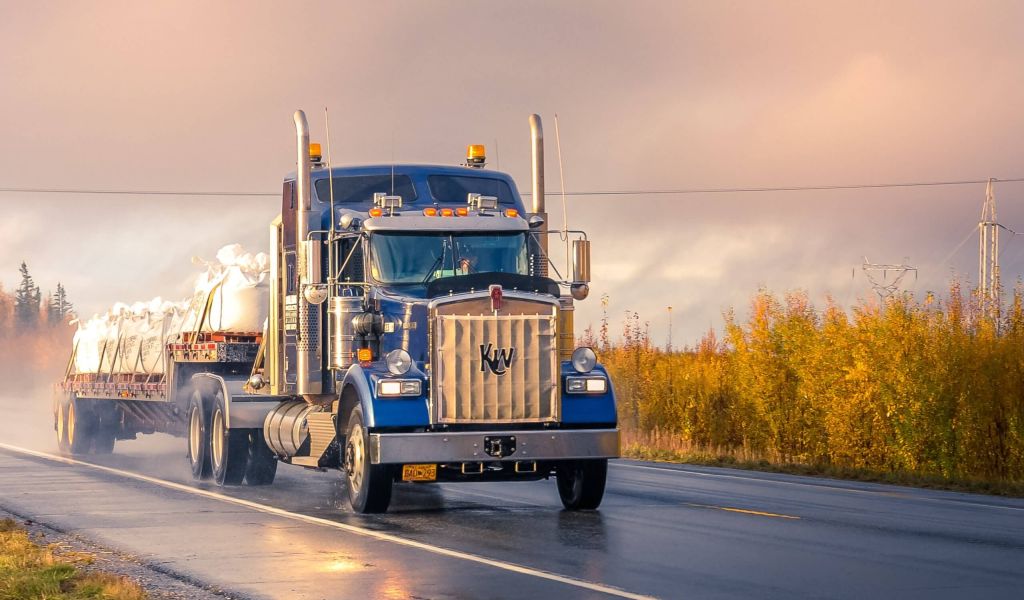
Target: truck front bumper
406 448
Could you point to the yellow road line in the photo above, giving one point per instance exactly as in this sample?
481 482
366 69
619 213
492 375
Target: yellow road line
370 533
744 511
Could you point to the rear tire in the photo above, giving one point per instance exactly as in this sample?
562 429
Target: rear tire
81 424
198 438
229 448
262 465
369 485
108 424
60 423
581 483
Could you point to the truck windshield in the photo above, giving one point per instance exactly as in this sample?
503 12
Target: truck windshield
403 258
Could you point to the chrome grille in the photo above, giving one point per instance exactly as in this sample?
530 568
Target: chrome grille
496 368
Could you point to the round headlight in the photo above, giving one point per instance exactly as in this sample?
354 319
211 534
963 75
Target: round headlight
399 362
583 359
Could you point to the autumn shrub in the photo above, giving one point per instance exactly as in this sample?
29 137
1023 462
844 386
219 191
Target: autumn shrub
923 387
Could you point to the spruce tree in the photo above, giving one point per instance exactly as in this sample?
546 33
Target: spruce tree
26 302
58 307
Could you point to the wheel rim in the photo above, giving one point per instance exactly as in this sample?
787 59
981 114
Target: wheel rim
356 450
71 423
60 423
195 428
217 438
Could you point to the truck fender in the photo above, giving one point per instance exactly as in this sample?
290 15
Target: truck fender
356 382
208 385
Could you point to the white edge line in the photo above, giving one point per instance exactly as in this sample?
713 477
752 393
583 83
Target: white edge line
386 537
820 486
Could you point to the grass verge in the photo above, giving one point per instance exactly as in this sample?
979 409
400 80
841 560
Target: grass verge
680 452
32 571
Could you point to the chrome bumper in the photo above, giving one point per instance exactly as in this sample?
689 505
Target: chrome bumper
404 448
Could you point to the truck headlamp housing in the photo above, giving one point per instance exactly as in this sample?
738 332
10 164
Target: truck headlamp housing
586 385
583 359
398 361
391 388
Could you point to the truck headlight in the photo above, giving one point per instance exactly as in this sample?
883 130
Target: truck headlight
586 385
399 387
583 359
398 361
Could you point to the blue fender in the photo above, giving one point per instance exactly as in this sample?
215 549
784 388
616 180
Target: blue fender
385 412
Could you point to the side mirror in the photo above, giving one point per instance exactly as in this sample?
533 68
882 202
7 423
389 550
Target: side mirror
535 221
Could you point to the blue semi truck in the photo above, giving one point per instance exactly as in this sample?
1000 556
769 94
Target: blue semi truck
414 335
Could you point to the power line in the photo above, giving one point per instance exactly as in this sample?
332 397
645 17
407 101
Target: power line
663 192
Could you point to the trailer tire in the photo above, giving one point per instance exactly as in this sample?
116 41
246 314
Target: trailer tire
81 423
229 448
60 422
369 485
262 466
581 483
198 450
108 424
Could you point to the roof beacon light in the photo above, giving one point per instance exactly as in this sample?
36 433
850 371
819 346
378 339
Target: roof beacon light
476 156
315 155
481 202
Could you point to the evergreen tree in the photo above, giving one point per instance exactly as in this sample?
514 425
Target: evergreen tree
26 302
57 306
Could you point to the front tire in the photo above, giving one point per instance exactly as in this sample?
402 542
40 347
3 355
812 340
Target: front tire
581 483
198 438
229 448
369 485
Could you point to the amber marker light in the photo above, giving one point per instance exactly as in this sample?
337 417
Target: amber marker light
376 212
511 212
447 212
430 212
462 211
364 355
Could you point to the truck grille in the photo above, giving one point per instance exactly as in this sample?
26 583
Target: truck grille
496 369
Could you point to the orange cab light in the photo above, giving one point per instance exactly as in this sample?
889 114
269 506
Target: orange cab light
511 212
376 212
475 151
364 355
447 212
462 211
314 152
430 212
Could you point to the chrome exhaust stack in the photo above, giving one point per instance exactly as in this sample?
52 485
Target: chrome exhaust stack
308 376
540 264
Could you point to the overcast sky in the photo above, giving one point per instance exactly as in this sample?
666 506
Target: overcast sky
650 95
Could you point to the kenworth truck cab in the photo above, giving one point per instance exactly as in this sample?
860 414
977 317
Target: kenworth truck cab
414 334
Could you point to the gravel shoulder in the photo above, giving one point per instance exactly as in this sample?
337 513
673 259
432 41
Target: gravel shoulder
159 583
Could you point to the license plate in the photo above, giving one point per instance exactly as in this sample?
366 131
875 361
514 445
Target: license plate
419 472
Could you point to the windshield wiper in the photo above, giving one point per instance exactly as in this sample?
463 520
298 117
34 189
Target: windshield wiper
433 269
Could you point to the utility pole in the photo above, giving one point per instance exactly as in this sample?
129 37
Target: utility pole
988 254
885 287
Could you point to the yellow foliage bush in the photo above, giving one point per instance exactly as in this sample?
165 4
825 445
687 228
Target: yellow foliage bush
922 387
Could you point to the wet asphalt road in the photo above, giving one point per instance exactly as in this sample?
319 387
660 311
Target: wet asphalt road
663 531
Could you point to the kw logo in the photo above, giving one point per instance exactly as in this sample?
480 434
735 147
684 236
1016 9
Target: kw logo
498 360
